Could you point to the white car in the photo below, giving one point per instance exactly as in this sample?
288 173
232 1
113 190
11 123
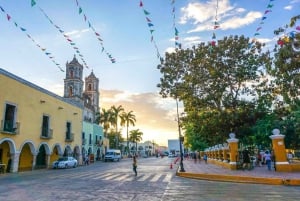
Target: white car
65 162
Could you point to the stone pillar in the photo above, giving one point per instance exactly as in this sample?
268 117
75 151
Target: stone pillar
14 162
49 165
281 162
233 150
215 152
225 159
33 162
220 153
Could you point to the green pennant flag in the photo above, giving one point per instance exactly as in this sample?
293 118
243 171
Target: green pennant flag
80 10
146 12
33 3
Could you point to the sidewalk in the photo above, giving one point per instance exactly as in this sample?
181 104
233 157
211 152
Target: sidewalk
258 175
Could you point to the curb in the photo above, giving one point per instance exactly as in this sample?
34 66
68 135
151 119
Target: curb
240 179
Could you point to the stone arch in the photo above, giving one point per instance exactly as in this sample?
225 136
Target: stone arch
11 145
57 149
68 151
47 148
8 152
77 153
56 152
42 156
27 155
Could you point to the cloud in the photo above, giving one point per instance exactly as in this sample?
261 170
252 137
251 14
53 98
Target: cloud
76 33
155 115
237 22
289 7
203 15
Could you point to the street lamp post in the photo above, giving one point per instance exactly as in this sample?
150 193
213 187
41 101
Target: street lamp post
180 140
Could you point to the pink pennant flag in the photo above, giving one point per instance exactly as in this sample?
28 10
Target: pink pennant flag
267 11
97 34
84 17
259 28
8 17
141 4
298 28
148 20
69 40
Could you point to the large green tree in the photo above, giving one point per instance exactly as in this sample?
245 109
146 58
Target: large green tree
219 86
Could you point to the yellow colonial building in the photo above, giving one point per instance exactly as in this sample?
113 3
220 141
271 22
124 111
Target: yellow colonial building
37 126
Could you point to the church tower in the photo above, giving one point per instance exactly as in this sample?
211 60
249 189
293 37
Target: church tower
73 84
91 95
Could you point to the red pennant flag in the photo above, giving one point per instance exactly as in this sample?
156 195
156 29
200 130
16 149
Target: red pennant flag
97 34
141 4
8 17
280 42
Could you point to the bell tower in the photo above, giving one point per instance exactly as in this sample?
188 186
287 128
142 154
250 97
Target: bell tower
73 84
91 93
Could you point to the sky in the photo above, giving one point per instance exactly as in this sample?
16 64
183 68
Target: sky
116 42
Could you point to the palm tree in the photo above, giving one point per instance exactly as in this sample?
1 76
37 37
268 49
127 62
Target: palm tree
115 115
128 119
105 119
136 136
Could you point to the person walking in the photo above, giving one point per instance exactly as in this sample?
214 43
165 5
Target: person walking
246 159
134 165
205 158
267 157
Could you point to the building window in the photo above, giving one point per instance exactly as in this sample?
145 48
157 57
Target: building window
68 132
70 91
90 87
71 74
83 135
9 123
90 139
45 126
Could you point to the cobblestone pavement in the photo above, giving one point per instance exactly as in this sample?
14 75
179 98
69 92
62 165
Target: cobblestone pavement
156 181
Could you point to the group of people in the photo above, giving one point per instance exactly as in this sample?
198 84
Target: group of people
262 158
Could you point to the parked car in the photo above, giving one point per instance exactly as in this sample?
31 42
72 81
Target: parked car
112 155
171 155
65 162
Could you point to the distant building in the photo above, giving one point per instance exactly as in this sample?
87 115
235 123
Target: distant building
174 146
